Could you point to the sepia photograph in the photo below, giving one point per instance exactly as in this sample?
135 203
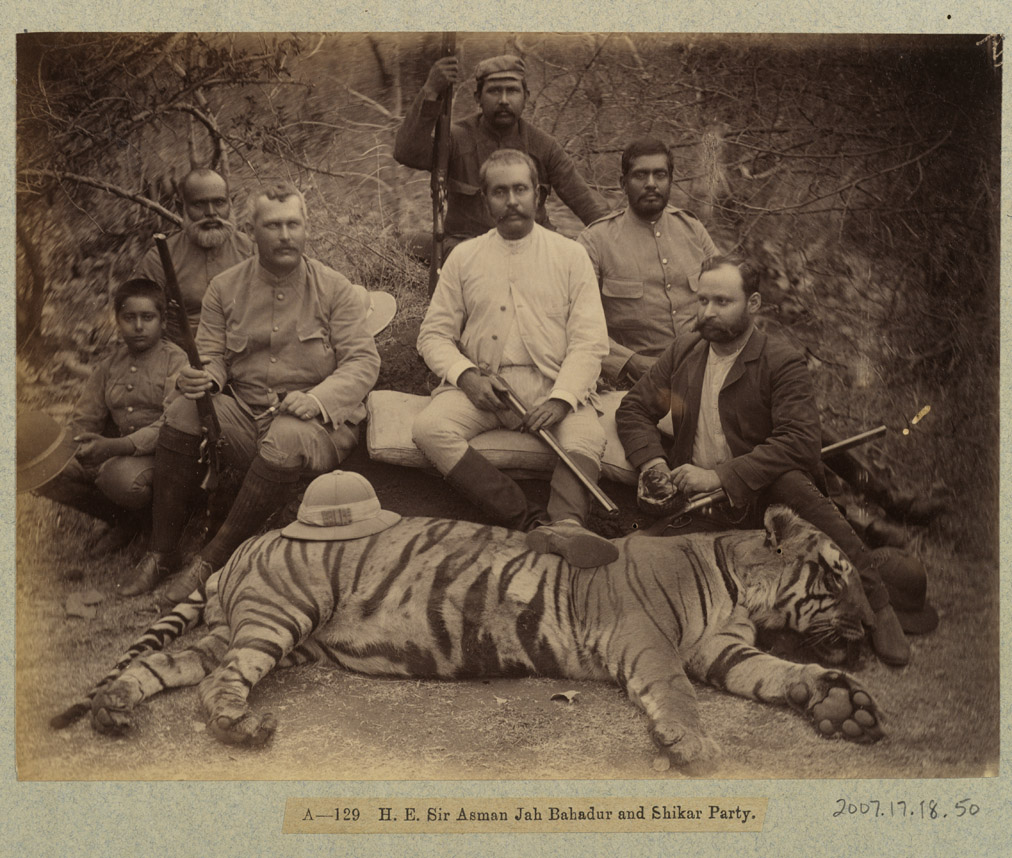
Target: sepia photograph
507 406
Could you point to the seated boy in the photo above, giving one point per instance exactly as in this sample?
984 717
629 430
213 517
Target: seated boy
126 393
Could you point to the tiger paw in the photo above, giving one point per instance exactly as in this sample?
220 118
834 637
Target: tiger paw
839 707
111 707
248 730
687 750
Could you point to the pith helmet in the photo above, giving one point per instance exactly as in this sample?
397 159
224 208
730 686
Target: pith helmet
339 505
43 449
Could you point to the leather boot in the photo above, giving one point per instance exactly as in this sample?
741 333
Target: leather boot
888 640
495 494
567 511
264 490
148 574
176 481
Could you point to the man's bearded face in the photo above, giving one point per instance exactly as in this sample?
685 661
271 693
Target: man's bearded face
206 211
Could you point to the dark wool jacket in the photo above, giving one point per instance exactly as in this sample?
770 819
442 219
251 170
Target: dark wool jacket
767 411
471 142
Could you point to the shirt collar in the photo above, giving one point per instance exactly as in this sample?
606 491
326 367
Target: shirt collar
293 278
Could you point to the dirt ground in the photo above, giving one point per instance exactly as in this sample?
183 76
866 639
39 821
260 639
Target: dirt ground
338 726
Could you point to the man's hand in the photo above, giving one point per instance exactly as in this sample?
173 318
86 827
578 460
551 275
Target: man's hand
445 71
300 405
480 389
655 493
194 383
693 480
637 366
546 415
95 449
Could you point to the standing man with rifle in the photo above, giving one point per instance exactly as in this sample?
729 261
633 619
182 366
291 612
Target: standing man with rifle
519 302
208 244
501 93
745 421
287 361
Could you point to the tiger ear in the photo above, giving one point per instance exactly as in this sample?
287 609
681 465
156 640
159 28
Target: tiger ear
779 522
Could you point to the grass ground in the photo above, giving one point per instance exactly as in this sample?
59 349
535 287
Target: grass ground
942 710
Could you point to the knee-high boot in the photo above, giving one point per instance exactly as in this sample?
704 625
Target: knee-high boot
264 490
176 480
495 494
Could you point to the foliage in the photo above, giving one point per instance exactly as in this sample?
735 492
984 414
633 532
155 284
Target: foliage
860 171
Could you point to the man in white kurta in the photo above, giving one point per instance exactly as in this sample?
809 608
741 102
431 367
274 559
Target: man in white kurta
520 302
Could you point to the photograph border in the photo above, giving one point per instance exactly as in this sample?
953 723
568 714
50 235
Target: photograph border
227 817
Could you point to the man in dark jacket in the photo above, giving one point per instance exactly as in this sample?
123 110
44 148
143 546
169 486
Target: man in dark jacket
501 94
746 421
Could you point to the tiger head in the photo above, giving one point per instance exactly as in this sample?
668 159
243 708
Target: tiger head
799 579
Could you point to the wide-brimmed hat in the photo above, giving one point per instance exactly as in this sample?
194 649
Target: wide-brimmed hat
380 308
43 449
339 505
505 67
906 579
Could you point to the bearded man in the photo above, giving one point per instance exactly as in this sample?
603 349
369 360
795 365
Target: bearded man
207 244
745 420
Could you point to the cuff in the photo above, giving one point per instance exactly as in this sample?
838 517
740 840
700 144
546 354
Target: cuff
457 369
323 411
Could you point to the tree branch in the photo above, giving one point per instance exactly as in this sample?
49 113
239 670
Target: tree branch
109 188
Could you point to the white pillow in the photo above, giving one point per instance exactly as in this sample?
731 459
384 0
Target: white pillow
388 439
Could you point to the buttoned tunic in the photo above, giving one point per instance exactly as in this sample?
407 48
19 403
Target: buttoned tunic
648 274
265 336
195 267
545 283
472 140
132 390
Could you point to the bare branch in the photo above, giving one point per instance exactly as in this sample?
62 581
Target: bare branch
108 187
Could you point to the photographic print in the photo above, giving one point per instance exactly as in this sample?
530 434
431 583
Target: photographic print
308 228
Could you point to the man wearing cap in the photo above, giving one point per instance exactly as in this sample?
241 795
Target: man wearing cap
519 302
647 258
207 244
288 362
745 422
501 94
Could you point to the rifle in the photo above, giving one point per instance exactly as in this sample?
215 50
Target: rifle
209 424
708 499
440 169
509 397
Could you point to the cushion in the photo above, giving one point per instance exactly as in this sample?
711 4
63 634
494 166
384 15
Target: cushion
388 439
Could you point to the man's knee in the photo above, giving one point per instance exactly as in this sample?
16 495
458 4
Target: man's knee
126 480
794 487
293 443
182 416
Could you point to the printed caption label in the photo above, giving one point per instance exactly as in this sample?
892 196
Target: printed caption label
530 815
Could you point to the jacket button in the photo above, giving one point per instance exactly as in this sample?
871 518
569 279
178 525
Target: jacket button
274 360
130 387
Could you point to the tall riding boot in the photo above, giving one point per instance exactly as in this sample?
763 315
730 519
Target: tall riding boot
495 494
176 481
265 490
567 511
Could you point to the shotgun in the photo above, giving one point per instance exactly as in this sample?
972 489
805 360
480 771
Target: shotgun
440 169
509 397
209 424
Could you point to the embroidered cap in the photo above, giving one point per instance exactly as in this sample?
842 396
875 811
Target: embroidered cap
505 67
43 449
339 505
